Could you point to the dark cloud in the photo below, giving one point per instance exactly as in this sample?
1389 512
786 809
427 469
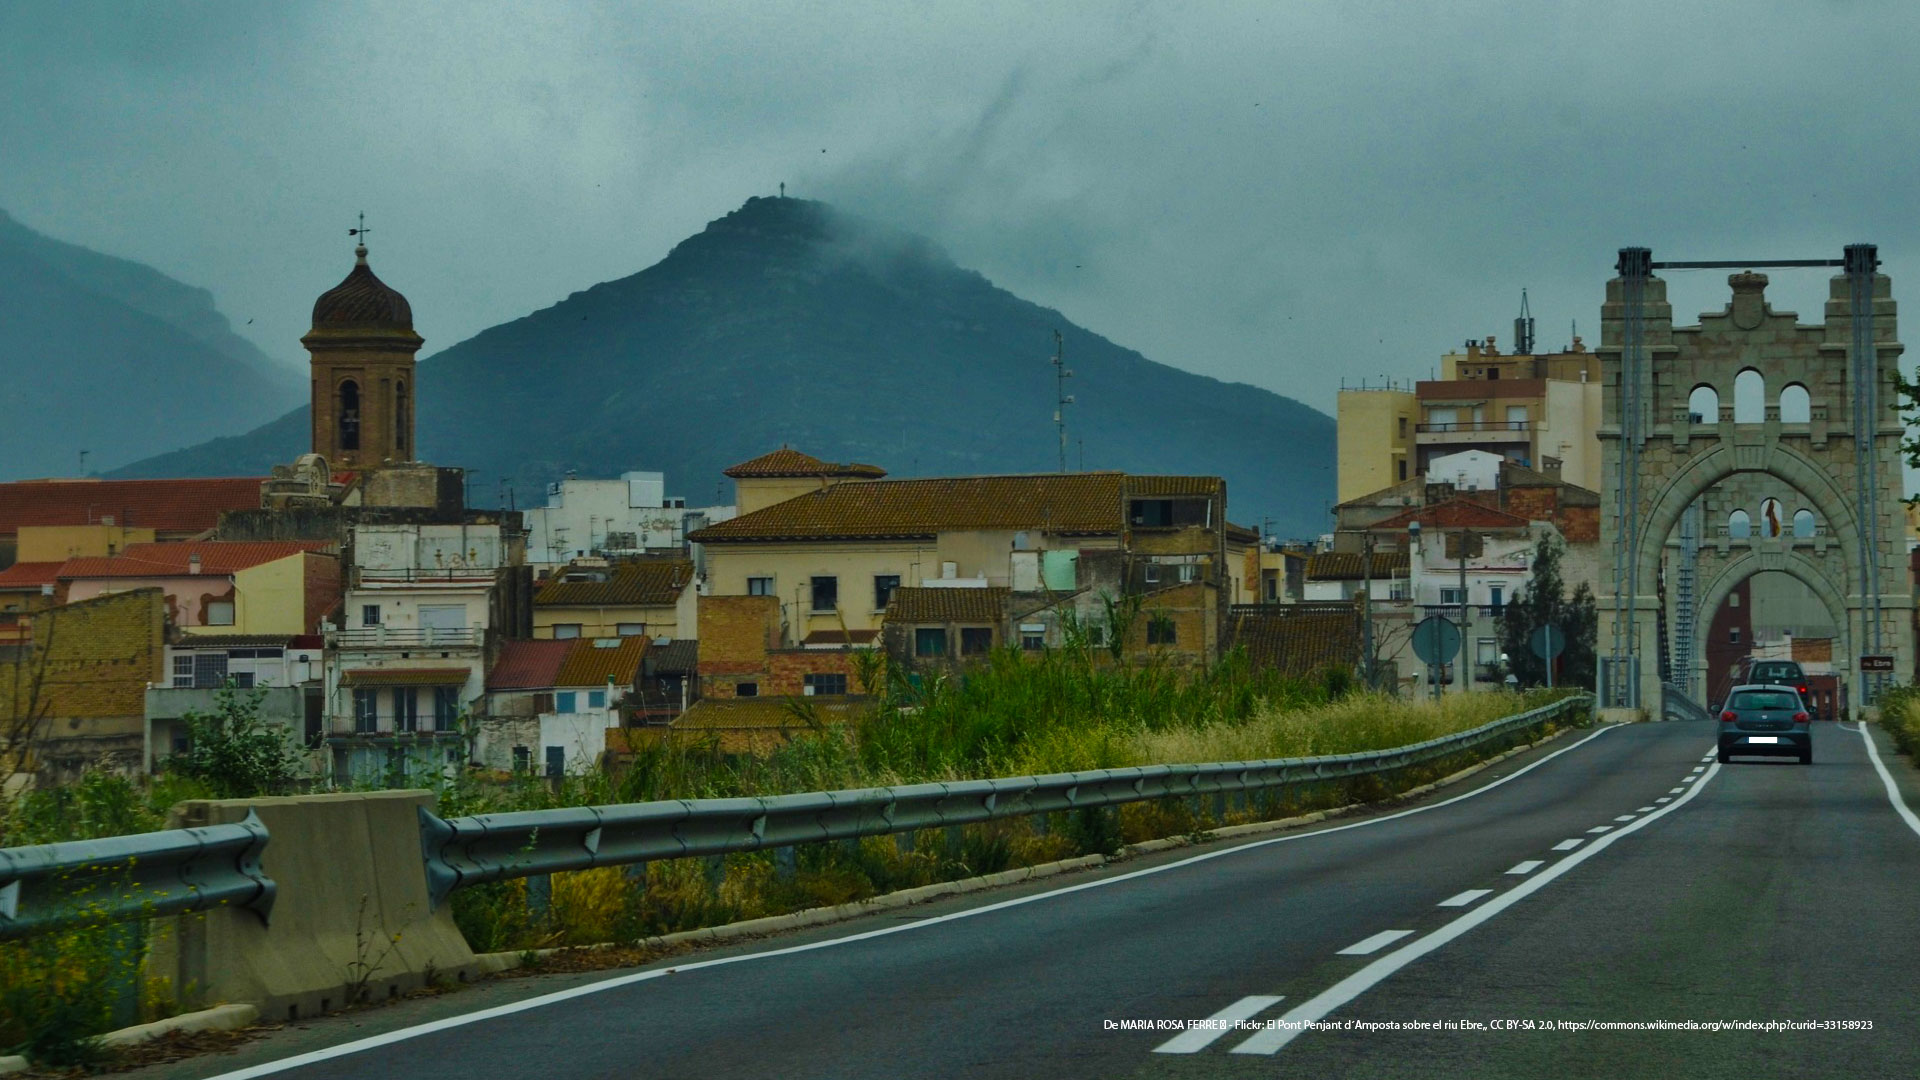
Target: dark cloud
1281 194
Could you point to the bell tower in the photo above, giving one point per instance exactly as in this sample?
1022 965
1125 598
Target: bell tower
362 344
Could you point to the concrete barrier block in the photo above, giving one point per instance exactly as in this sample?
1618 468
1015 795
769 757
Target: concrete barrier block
351 919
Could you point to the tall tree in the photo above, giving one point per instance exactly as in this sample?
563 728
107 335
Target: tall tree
1545 603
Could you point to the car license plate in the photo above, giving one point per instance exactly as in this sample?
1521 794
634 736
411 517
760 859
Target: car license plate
1762 739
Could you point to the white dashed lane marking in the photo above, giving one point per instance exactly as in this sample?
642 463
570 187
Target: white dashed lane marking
1644 810
1527 867
1465 898
1368 946
1568 845
1601 829
1624 817
1196 1039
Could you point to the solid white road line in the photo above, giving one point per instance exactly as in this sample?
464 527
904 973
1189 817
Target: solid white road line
1194 1040
1465 898
1527 867
1600 828
1568 845
1316 1008
1893 791
372 1042
1371 945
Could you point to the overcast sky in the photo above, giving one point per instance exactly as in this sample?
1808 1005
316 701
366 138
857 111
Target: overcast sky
1283 194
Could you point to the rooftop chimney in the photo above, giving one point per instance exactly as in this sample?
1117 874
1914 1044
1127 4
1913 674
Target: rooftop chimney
193 562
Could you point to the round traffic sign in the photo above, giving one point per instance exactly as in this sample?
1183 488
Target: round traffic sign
1435 639
1547 642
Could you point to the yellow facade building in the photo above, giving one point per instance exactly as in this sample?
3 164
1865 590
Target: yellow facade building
1376 430
647 597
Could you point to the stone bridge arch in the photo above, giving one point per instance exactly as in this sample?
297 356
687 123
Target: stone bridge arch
1776 557
1841 456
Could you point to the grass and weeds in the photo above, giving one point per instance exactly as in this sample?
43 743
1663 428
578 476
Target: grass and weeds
1015 714
1900 717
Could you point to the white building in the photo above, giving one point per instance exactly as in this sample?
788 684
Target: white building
612 517
409 657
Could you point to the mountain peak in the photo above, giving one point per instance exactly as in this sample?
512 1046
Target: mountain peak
791 321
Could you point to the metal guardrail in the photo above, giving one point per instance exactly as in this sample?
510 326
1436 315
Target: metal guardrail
493 847
1676 705
90 882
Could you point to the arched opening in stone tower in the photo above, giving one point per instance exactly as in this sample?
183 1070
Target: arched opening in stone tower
349 414
1749 397
1772 615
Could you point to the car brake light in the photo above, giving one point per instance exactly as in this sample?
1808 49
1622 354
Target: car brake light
1803 691
1728 717
1801 718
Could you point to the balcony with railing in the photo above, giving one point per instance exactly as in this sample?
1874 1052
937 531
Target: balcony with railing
364 576
376 637
1470 431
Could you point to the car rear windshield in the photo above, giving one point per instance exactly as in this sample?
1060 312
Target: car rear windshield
1777 670
1750 700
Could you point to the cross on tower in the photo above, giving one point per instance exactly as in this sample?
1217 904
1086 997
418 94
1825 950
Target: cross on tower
362 231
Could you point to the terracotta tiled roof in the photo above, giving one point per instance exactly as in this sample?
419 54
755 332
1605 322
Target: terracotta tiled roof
167 560
592 661
1073 503
527 665
1298 639
168 506
743 725
1455 513
1163 486
1240 534
1345 566
236 641
840 637
787 462
910 605
647 582
680 656
758 712
404 676
29 575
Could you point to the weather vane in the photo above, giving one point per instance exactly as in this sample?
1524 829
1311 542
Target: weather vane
362 231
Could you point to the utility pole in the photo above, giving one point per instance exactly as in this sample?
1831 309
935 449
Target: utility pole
1062 399
1366 613
1464 640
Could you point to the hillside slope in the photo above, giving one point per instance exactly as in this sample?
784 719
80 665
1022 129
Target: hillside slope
789 322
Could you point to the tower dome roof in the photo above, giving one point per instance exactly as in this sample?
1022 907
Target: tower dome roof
362 302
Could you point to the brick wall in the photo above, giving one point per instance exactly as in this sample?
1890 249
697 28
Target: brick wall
736 632
1192 610
322 585
787 669
93 661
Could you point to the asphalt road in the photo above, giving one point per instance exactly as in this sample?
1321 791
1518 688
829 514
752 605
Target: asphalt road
1621 877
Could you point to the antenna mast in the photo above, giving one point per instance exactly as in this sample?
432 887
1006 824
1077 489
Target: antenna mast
1062 399
1523 328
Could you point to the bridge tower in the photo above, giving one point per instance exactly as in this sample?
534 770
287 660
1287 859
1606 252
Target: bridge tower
1816 448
